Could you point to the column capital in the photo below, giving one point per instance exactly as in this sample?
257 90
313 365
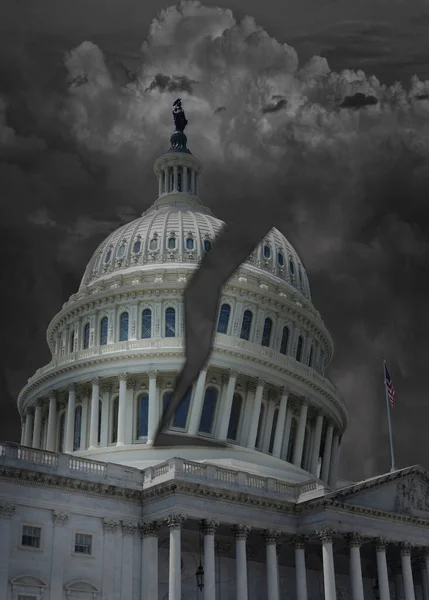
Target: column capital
95 380
232 373
304 401
271 536
260 382
152 374
149 528
59 517
40 402
325 534
7 510
123 376
209 526
129 527
299 541
106 387
284 391
381 544
406 549
354 539
110 525
131 383
175 521
52 394
29 411
241 531
71 387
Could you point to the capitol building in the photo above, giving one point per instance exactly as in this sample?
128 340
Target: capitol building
91 509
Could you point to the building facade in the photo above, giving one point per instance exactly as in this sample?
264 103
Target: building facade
89 509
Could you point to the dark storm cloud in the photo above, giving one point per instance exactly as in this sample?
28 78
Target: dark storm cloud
176 83
275 107
358 100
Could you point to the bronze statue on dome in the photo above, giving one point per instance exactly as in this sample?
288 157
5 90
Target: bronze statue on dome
179 117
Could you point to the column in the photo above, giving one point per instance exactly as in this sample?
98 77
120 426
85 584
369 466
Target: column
153 417
356 582
175 523
29 428
241 532
93 426
407 572
71 405
7 512
193 187
253 429
160 182
61 545
110 527
209 529
122 406
52 423
271 539
266 433
175 178
129 530
328 564
382 574
299 542
226 405
288 424
85 419
149 565
333 467
281 423
316 444
166 190
327 454
37 424
22 441
185 180
129 412
424 577
197 404
106 390
300 435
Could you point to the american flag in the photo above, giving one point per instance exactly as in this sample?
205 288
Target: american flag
389 386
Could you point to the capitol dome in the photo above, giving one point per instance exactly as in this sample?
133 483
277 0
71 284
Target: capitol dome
118 344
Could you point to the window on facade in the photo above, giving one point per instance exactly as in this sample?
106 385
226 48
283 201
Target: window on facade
222 325
190 243
170 322
179 179
31 536
291 267
267 251
246 325
153 244
108 255
259 432
72 341
310 358
100 413
266 334
280 258
115 413
171 243
121 251
207 245
77 427
181 414
209 409
86 336
234 418
62 431
123 326
285 340
83 543
291 442
273 431
142 416
299 348
137 246
104 325
146 323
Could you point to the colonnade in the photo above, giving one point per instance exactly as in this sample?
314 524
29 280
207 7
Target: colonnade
177 178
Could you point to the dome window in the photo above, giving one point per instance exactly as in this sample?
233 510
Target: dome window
280 259
181 414
190 243
209 409
285 340
103 331
171 243
137 246
225 311
267 251
121 251
123 326
266 334
142 416
299 348
300 274
246 325
207 245
291 267
170 322
153 245
310 358
234 418
86 336
108 256
146 323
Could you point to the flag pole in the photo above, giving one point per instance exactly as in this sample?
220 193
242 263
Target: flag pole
389 422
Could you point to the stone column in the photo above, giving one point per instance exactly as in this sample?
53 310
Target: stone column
226 405
299 542
193 186
316 445
197 404
129 530
209 529
85 418
22 441
60 543
7 512
166 182
175 178
241 532
288 425
110 527
29 428
106 390
281 423
382 574
271 539
424 577
328 564
160 182
153 417
333 467
71 406
327 454
51 444
300 435
356 582
37 430
149 565
122 407
93 426
175 523
253 429
407 572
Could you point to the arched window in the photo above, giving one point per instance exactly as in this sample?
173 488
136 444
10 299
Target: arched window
258 435
209 409
108 255
222 325
267 251
100 412
266 334
246 325
207 245
72 338
234 418
285 340
299 348
171 243
181 414
62 431
146 323
300 275
86 336
115 413
291 442
190 243
123 326
170 322
291 267
104 325
142 416
273 430
137 246
121 251
280 258
153 244
77 427
166 401
310 358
